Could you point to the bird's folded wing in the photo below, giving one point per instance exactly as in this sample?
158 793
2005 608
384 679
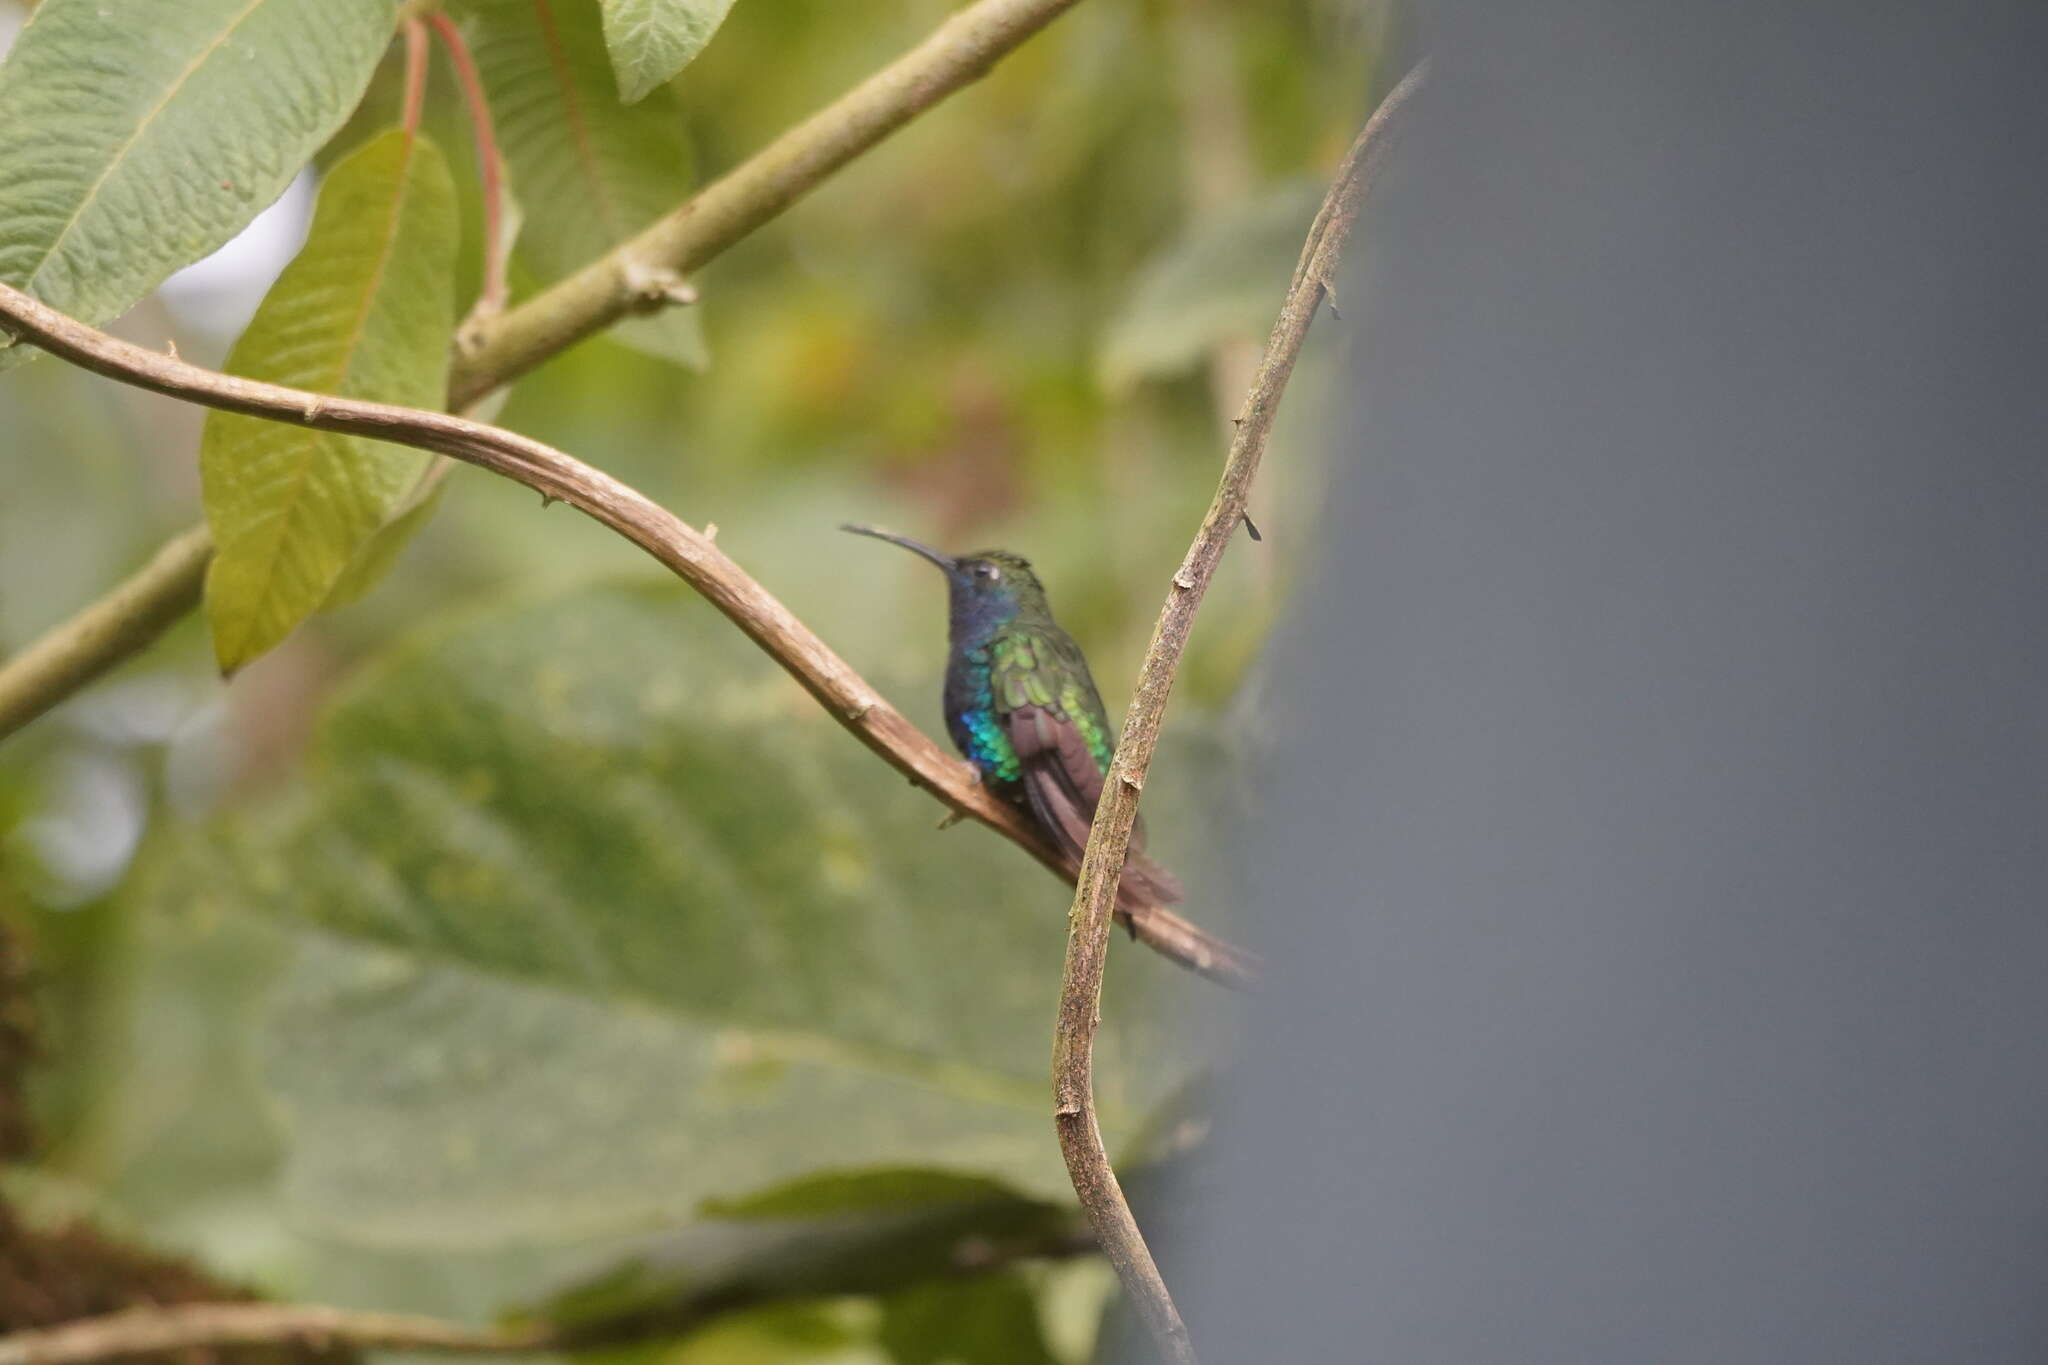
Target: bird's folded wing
1063 786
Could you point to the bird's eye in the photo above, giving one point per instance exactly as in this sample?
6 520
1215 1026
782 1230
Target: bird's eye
988 571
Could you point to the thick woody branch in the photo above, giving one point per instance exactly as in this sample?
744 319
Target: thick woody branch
645 271
1089 920
689 554
149 1331
958 52
888 1257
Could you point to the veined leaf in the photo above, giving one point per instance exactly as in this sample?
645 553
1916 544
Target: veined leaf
651 40
364 311
138 140
613 920
1221 281
588 171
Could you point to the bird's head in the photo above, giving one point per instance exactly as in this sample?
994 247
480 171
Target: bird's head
985 588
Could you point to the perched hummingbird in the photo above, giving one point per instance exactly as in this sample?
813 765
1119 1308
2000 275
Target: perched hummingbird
1022 708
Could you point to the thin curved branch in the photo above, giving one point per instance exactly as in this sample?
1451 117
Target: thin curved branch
689 554
641 273
148 1331
1089 920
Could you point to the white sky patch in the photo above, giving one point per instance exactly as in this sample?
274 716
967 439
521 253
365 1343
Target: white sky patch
218 295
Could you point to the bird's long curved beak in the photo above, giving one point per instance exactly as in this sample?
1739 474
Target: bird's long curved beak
946 562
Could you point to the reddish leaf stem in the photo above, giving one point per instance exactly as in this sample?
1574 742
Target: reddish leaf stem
415 74
490 165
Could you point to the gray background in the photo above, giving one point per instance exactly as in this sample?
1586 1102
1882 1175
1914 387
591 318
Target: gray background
1656 857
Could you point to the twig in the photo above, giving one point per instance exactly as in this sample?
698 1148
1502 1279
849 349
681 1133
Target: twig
147 1331
691 555
958 52
1088 923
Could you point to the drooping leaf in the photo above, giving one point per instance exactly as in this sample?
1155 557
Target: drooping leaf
614 921
379 554
136 143
364 311
588 171
670 1283
651 40
1221 281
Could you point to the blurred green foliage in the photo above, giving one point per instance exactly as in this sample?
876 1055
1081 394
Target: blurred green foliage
1005 326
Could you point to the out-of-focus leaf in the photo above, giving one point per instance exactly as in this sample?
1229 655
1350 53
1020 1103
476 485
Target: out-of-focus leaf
677 1282
1222 281
589 172
837 1192
364 311
835 1332
616 920
137 143
651 40
987 1320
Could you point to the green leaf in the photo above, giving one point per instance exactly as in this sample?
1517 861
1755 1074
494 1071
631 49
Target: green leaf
1220 282
588 171
836 1192
614 920
137 143
671 1282
986 1320
379 555
651 40
364 311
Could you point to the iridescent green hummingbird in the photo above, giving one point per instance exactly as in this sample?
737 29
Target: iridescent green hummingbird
1022 708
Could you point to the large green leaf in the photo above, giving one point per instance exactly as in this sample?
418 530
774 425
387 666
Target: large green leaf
588 171
651 40
614 920
364 311
671 1283
989 1320
1221 281
137 140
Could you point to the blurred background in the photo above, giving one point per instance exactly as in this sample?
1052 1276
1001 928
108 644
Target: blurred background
1022 322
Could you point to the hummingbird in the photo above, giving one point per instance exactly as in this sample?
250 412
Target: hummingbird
1022 707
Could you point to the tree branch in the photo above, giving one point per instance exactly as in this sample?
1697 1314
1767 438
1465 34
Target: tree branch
690 555
142 607
874 1263
1089 920
498 350
147 1331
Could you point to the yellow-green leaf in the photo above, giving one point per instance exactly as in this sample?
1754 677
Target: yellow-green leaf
365 311
379 555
